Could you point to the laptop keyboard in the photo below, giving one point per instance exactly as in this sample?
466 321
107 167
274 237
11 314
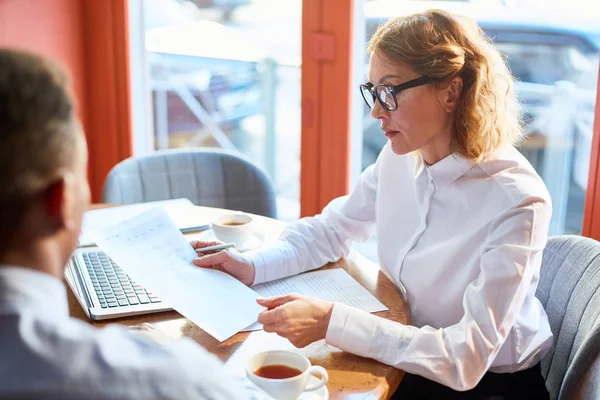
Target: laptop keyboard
112 286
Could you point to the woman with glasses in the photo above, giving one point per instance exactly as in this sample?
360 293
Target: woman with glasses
461 220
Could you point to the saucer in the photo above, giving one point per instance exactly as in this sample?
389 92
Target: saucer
321 393
253 242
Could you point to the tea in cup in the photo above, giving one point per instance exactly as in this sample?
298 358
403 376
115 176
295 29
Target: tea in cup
233 228
284 374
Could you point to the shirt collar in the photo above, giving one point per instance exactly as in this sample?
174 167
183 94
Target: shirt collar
448 169
25 288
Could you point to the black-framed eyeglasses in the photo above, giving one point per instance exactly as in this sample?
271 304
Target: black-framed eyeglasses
386 94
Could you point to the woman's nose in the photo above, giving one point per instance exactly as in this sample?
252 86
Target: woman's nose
378 112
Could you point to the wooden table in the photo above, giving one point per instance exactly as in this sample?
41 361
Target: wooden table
350 377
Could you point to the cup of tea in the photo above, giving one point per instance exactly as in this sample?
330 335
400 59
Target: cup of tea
284 374
233 228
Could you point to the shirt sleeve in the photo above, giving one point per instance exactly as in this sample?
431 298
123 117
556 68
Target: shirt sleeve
138 367
458 356
206 375
312 242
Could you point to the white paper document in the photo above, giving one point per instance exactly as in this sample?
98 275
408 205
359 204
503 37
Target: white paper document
154 253
334 285
178 209
256 342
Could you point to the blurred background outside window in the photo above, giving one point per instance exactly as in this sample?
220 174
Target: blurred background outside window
226 73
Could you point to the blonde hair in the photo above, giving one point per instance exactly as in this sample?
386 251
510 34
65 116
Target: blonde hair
435 44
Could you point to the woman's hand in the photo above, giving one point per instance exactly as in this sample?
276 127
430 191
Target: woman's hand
229 261
300 319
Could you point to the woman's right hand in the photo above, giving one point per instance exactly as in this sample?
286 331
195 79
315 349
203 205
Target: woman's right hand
229 261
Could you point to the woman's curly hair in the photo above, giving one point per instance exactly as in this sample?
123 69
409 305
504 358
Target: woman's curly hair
437 44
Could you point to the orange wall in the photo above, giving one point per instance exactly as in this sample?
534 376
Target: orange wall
110 137
326 78
591 214
50 27
90 37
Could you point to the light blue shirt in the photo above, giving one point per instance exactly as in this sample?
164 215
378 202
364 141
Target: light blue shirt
46 354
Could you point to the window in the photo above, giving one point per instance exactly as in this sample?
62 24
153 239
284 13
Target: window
220 74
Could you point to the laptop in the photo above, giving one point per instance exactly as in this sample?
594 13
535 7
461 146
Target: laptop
104 290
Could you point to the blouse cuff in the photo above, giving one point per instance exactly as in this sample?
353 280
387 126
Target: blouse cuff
272 263
351 329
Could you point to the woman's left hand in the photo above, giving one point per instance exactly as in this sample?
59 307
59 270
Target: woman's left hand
300 319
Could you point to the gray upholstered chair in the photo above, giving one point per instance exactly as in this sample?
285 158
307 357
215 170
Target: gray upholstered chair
207 177
569 290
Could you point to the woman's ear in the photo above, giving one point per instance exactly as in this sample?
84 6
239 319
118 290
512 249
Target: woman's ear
454 90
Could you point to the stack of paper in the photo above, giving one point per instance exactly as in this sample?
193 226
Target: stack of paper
180 211
334 285
154 253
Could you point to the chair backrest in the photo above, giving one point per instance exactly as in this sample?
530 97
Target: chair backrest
207 177
569 291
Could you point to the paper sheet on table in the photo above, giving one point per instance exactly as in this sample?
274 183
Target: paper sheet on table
151 249
334 285
256 342
178 209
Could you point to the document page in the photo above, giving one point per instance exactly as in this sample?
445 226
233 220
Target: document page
256 342
334 285
178 209
150 249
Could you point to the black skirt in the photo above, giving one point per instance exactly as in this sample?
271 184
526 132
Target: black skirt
527 384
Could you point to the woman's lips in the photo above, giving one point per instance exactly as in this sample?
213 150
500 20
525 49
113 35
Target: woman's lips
390 134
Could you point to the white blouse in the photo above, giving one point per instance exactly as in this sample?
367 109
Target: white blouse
463 239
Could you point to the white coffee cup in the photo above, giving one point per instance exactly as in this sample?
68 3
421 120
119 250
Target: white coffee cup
287 388
233 228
